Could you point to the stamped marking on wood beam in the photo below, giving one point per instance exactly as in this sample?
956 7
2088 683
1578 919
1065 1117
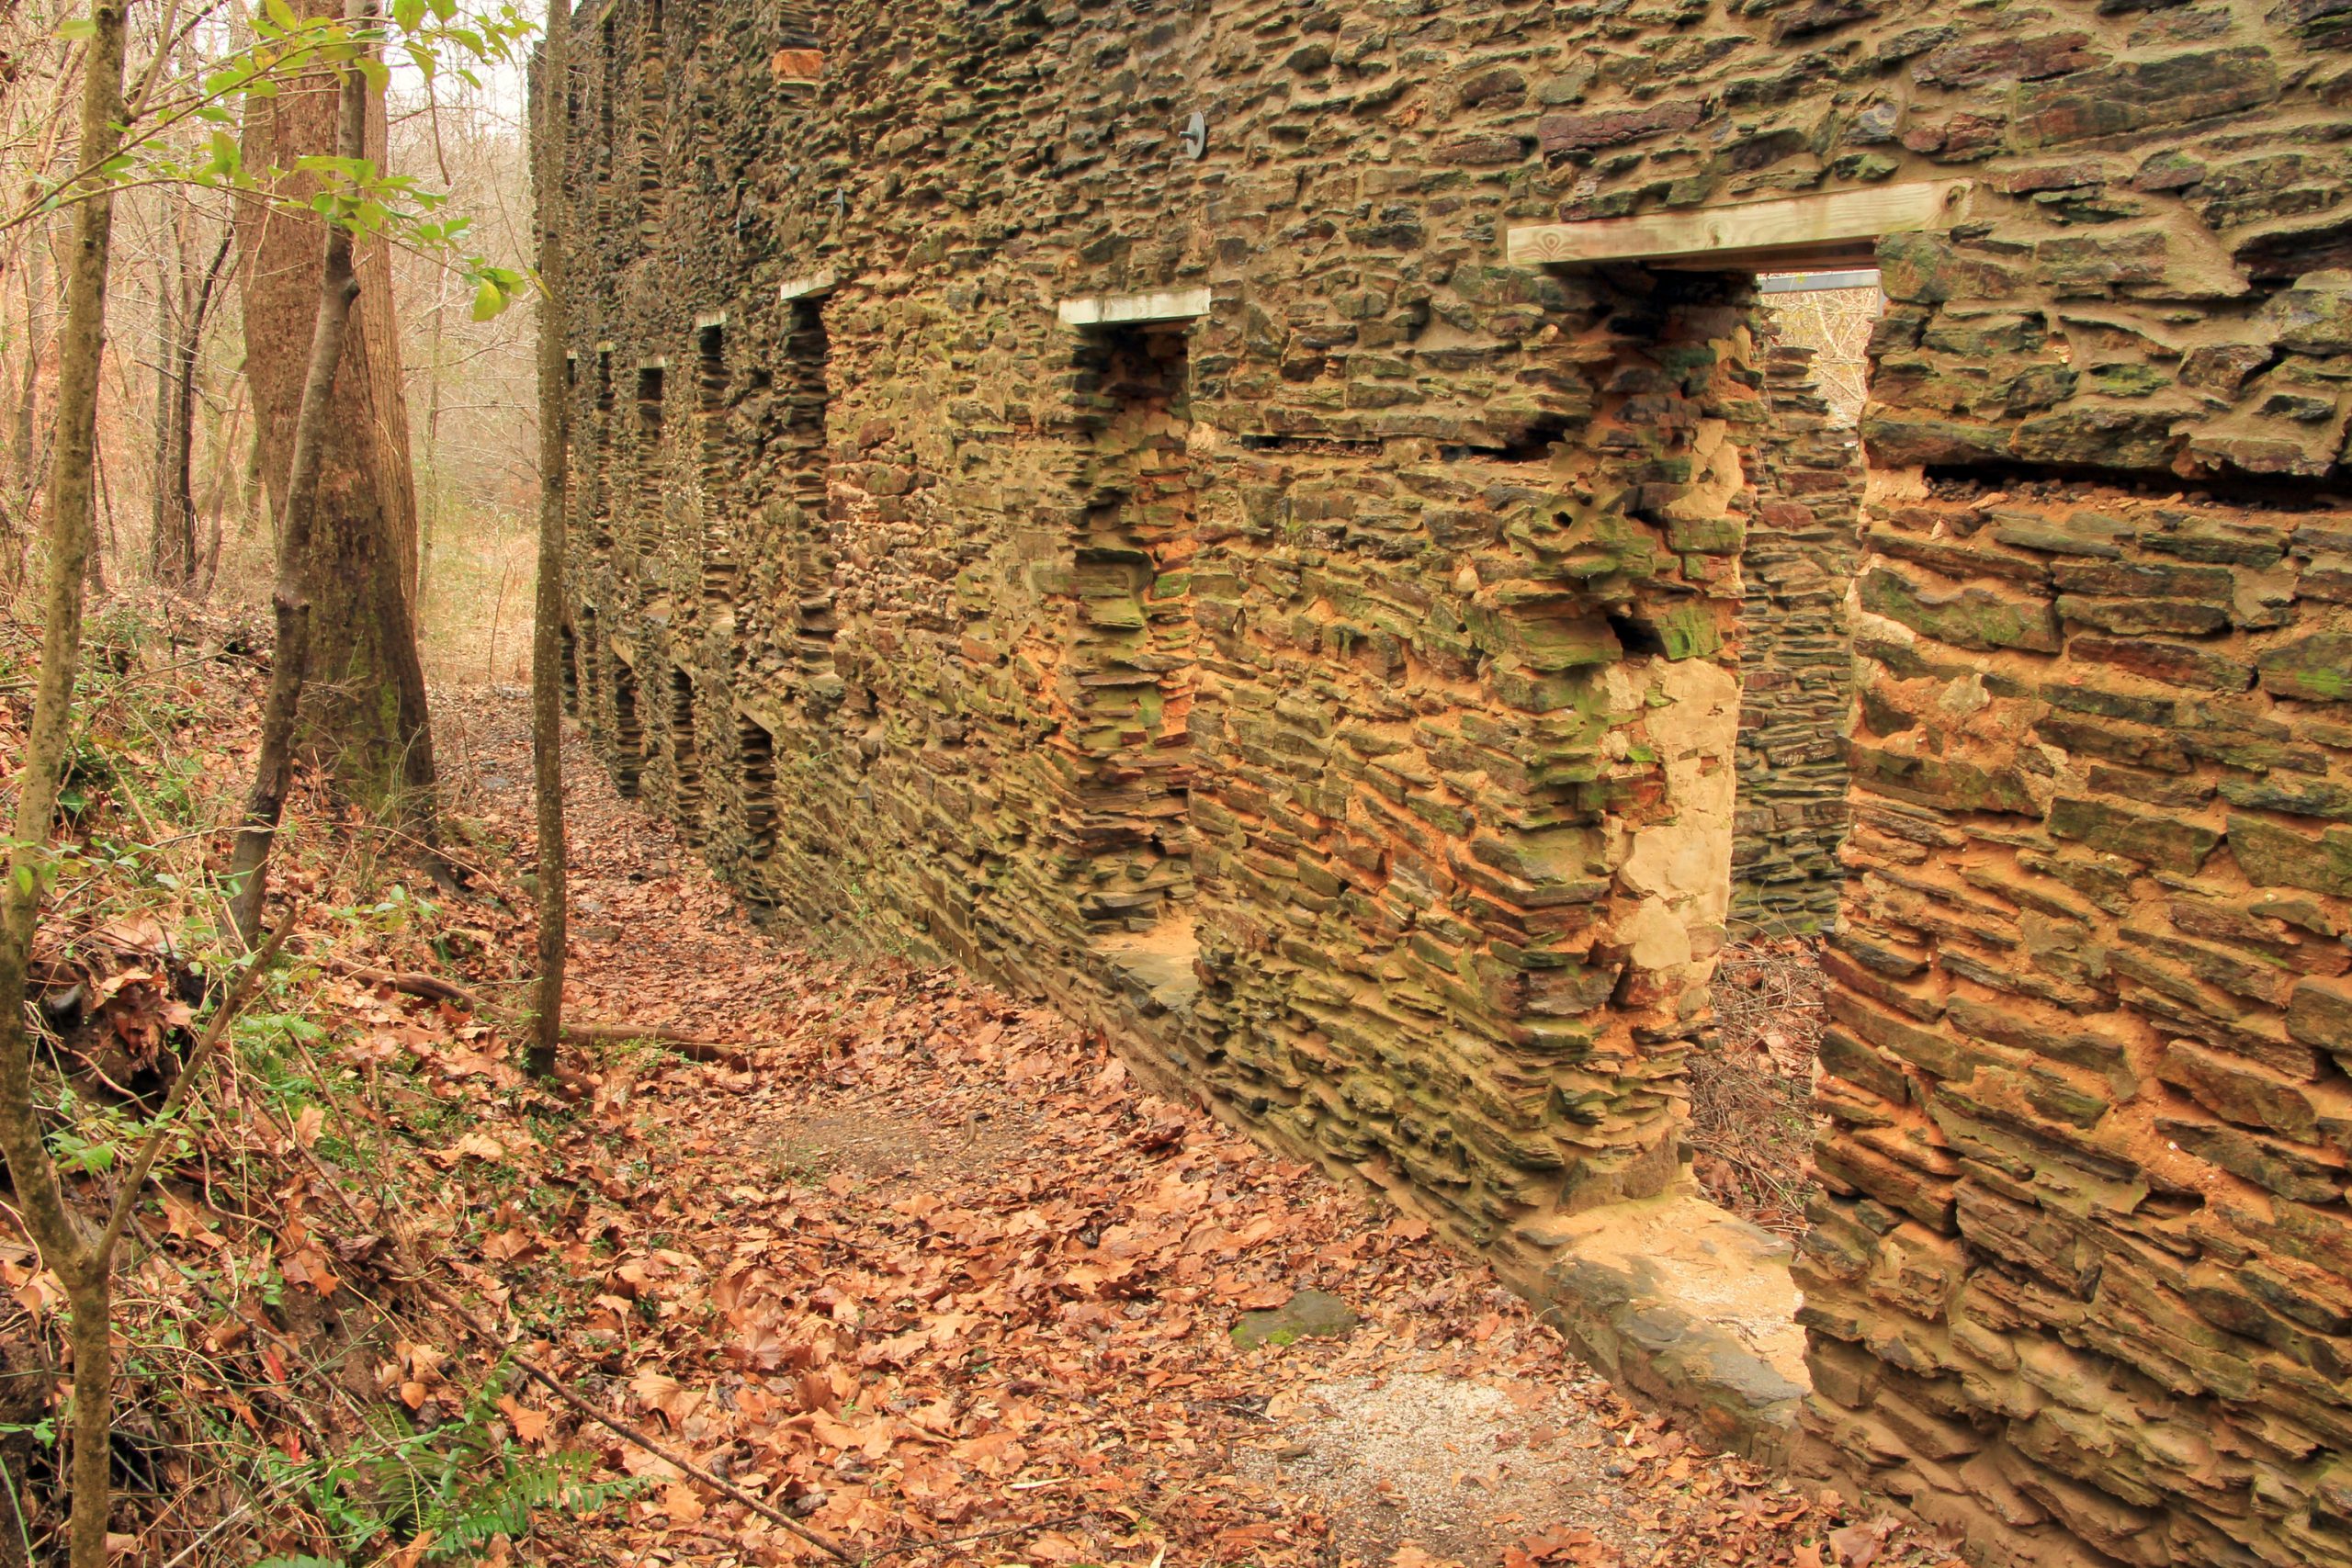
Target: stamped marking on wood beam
807 285
1840 225
1120 310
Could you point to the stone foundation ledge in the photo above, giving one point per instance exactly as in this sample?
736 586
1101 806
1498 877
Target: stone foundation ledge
1683 1304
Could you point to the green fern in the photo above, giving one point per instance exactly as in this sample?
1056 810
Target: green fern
505 1505
463 1481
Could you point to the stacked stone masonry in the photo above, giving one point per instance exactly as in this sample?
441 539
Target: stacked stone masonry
1796 653
1335 696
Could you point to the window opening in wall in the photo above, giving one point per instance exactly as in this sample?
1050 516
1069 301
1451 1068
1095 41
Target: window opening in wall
1133 658
609 90
1831 313
652 115
600 479
1751 1099
721 570
628 734
798 63
757 748
569 657
647 541
686 757
807 396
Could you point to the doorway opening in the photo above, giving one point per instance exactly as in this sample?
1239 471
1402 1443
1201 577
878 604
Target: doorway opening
628 734
807 400
721 571
600 477
755 752
646 535
685 758
1752 1119
1132 674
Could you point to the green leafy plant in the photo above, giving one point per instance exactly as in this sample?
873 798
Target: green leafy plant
464 1481
433 36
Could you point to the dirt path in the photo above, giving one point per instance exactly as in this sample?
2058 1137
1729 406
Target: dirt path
931 1267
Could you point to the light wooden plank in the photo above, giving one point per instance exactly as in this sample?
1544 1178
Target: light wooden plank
1120 310
1830 224
1816 282
805 287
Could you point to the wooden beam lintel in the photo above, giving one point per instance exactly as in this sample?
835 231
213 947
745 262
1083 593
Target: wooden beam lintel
1832 228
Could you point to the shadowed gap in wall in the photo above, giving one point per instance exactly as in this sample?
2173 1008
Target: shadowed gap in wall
650 381
1133 656
721 569
756 749
629 735
806 398
685 758
600 475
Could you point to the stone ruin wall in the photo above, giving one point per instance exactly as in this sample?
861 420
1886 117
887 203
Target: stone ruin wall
1796 679
1337 697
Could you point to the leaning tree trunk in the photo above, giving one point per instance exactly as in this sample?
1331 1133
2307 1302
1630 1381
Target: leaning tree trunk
337 290
66 1245
552 102
366 715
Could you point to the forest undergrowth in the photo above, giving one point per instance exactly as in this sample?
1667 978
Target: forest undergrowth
914 1265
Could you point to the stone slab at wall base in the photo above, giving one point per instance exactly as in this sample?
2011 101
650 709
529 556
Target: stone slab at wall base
1681 1303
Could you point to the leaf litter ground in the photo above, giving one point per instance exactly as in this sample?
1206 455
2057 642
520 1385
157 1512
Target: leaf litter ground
929 1264
916 1264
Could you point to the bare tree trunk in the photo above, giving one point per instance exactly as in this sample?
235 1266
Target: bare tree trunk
178 555
546 626
166 562
224 446
365 712
65 1244
289 602
24 463
429 508
29 467
28 410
